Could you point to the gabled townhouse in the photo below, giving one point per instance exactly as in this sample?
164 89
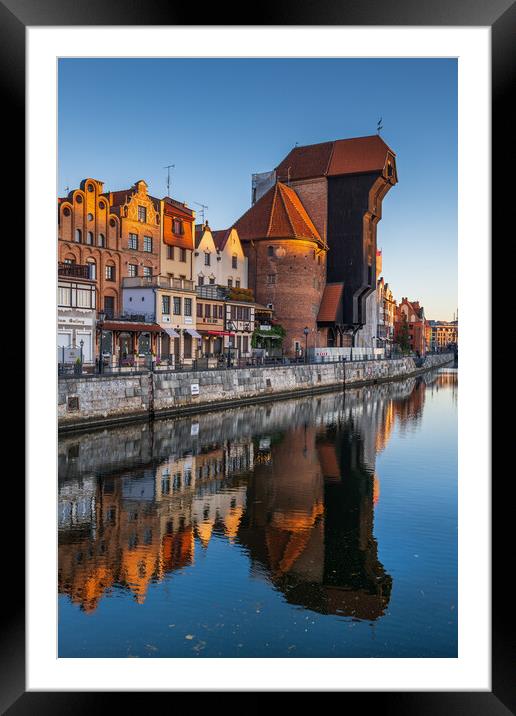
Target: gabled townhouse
219 258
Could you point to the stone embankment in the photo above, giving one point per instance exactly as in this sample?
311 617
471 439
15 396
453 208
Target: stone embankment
102 400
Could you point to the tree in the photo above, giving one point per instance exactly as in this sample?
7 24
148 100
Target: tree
403 336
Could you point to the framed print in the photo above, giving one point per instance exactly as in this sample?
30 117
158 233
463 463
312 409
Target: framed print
281 563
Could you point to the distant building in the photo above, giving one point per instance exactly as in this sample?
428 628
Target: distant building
386 306
410 324
443 334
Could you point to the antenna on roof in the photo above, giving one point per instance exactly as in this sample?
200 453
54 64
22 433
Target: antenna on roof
296 144
203 207
168 168
379 126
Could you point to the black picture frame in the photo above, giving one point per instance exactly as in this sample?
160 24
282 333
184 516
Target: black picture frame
500 15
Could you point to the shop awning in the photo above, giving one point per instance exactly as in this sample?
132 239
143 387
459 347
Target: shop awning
193 332
171 332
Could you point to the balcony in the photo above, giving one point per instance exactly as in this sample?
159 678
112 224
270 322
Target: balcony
177 284
73 270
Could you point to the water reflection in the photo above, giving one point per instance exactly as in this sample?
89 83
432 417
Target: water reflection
293 484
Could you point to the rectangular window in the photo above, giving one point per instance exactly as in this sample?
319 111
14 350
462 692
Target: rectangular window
206 259
110 273
199 310
182 255
133 270
170 253
83 298
64 296
133 241
177 306
142 214
234 262
165 305
271 278
237 283
188 306
200 281
245 346
147 271
147 243
230 283
207 311
220 312
177 226
212 281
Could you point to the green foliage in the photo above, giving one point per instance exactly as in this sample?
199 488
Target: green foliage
276 330
403 337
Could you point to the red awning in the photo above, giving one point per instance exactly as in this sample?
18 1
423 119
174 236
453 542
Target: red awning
220 333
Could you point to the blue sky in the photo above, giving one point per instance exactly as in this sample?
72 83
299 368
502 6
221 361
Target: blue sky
220 120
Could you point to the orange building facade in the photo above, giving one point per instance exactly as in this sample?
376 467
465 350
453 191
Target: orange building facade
116 234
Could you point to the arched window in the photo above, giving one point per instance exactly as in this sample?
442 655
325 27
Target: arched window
92 269
270 250
89 238
234 261
102 241
78 236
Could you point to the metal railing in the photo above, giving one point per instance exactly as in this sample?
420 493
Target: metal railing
74 270
181 284
220 362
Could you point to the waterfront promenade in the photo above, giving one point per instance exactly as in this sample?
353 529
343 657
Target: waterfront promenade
96 401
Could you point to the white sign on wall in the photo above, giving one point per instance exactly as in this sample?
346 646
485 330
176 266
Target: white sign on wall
194 387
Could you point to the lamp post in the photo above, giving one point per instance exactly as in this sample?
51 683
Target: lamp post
81 345
102 318
306 331
231 327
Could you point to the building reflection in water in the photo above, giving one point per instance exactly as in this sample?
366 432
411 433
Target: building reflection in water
294 483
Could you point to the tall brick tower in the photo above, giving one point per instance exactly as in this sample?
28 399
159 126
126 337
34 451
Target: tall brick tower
342 185
287 261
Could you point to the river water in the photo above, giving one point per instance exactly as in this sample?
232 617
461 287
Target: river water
315 527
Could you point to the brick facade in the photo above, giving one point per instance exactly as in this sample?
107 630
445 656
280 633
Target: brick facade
94 228
292 280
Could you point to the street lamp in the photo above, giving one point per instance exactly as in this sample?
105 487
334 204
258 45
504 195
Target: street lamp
81 345
101 319
230 327
306 331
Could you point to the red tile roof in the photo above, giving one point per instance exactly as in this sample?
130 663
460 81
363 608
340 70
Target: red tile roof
220 238
343 156
278 214
330 310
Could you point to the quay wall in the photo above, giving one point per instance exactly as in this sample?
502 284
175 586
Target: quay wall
101 400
